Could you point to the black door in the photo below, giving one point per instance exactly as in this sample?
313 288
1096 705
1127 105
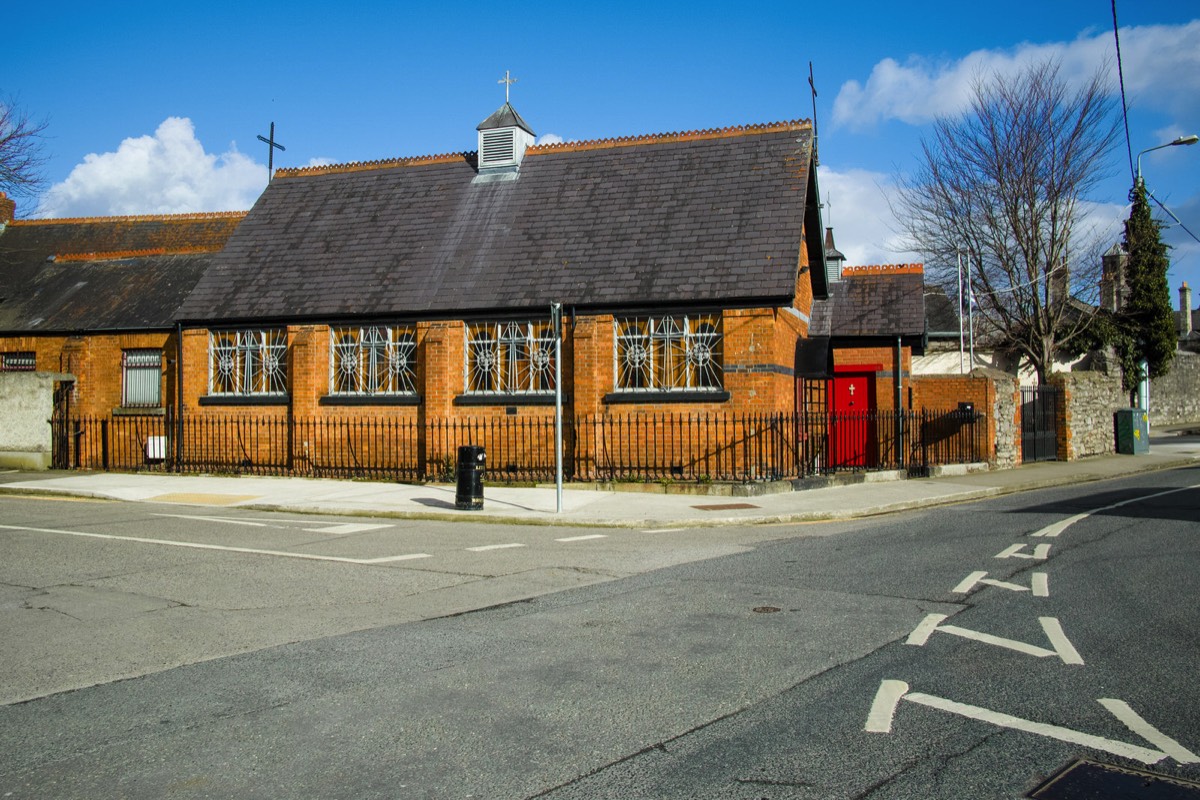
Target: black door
1039 423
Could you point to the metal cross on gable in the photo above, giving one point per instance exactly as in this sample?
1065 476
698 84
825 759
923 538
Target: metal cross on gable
272 145
508 82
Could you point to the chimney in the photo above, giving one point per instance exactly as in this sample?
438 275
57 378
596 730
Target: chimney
1112 281
1185 310
8 210
833 259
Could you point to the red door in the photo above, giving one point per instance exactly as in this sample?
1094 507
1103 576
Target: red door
852 423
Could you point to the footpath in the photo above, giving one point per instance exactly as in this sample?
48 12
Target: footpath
650 508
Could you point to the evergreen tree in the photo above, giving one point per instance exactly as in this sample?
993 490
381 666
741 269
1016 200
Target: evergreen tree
1147 321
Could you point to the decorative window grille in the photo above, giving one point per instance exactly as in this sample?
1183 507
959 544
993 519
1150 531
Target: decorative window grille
141 378
247 362
668 353
18 362
378 360
510 358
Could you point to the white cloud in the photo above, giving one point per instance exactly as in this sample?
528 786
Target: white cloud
1161 66
857 209
550 138
167 173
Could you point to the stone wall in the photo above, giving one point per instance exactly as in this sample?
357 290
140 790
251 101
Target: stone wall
26 404
1005 411
1175 397
1089 404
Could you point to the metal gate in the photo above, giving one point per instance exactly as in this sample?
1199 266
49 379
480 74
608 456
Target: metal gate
60 427
1039 423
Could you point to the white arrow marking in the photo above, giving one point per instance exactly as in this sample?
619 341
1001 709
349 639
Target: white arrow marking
1132 720
1058 527
1050 625
1040 553
1038 584
891 692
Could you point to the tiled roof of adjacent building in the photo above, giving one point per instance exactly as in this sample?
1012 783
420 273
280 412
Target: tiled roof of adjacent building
705 217
104 273
885 300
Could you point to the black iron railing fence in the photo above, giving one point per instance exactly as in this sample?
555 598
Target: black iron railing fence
693 447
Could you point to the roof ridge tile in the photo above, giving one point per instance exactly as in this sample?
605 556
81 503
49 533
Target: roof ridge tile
187 217
885 269
363 166
115 255
675 136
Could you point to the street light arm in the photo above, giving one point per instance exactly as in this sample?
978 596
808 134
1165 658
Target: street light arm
1182 140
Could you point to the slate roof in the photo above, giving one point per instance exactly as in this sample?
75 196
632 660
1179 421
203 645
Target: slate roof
504 117
710 217
112 273
941 317
873 301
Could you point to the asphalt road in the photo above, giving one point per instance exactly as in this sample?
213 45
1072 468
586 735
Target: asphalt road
833 661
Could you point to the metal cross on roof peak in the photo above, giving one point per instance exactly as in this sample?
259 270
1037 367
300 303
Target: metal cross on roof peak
507 81
272 146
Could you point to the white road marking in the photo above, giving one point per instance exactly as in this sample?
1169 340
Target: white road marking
1058 640
891 692
1058 527
582 538
1038 584
227 520
347 527
883 707
1040 552
925 629
1050 625
320 527
493 547
220 548
1051 531
662 530
1132 720
968 583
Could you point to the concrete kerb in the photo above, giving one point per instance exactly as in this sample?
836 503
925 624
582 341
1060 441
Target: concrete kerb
574 519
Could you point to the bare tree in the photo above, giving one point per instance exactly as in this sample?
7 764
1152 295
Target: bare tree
21 158
1003 184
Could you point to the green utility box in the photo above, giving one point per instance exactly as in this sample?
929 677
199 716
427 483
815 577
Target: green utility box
1133 431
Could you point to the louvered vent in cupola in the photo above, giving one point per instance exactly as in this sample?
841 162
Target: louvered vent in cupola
503 138
496 147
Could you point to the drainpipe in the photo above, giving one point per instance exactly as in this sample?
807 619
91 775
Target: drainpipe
178 394
898 383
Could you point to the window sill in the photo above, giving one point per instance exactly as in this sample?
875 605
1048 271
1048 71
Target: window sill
506 400
707 396
370 400
139 411
244 400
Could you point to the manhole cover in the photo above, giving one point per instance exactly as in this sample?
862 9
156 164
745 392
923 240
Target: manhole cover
767 610
1089 780
725 506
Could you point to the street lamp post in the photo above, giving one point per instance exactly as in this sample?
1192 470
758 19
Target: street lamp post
1181 140
1144 383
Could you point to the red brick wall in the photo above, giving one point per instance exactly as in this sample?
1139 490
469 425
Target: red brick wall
95 362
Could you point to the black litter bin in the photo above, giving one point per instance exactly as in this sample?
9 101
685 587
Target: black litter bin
469 492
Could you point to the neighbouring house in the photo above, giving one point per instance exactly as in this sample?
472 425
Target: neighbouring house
92 302
368 318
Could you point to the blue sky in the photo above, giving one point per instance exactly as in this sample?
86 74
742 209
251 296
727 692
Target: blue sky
155 107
